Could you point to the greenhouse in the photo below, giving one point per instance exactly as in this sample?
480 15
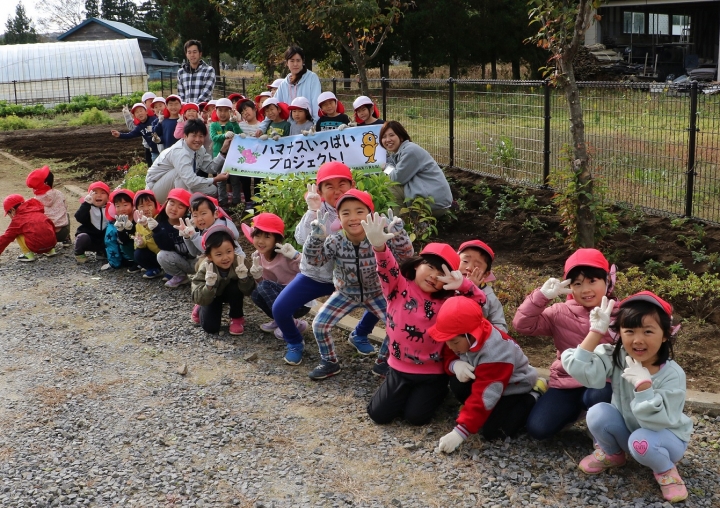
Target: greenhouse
51 73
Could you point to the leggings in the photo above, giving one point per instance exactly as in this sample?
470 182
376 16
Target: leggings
659 450
86 243
265 294
415 397
211 315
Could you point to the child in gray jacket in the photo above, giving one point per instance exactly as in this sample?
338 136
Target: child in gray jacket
476 258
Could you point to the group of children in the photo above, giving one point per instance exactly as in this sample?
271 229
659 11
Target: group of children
445 328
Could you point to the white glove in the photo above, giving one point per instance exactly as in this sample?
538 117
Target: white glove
352 124
160 118
140 218
89 198
242 135
318 227
151 223
241 270
286 250
120 222
185 228
276 137
600 316
264 137
554 288
125 109
464 372
342 127
453 280
229 135
450 442
156 139
374 227
393 221
305 133
139 242
312 198
128 223
210 275
635 373
256 270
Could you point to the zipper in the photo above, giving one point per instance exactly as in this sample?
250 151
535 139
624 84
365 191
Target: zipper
357 267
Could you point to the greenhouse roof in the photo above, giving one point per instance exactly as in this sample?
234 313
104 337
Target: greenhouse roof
115 26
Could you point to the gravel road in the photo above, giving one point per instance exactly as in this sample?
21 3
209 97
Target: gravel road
94 412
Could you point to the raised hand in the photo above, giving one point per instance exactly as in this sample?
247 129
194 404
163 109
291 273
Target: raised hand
139 217
318 227
312 198
160 118
635 373
151 223
464 371
554 288
374 226
210 275
394 222
90 197
185 228
476 276
453 280
286 250
120 222
241 271
256 270
600 316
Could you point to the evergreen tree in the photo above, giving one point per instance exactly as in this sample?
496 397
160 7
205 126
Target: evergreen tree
20 29
119 10
92 8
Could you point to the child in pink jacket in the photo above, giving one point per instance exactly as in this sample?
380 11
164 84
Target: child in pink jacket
416 383
588 277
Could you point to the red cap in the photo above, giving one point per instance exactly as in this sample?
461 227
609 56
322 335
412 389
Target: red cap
98 186
189 105
181 195
649 296
110 213
216 228
586 257
202 105
446 252
171 97
12 201
457 316
478 244
267 222
236 96
361 196
146 192
37 178
331 170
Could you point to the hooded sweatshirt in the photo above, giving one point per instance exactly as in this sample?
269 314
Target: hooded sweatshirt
31 222
308 86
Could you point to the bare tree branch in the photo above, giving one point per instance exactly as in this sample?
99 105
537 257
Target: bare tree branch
60 15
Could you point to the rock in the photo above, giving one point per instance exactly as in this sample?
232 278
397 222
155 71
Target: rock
183 369
536 485
251 357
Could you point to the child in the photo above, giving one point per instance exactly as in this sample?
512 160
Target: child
166 122
191 111
260 98
143 128
251 118
41 182
646 416
174 257
366 112
331 113
225 128
275 265
303 120
146 250
131 122
235 98
120 232
29 227
333 180
476 260
273 87
415 384
277 113
222 277
355 275
492 377
90 235
586 282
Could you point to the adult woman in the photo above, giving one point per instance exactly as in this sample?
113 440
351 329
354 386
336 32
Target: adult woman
301 82
413 168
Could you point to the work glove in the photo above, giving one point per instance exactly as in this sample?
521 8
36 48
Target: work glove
464 372
256 270
395 223
312 198
128 223
374 227
125 110
210 275
286 250
352 124
600 316
241 271
120 222
185 228
264 137
156 139
450 442
242 135
229 135
554 288
635 373
151 223
342 127
276 137
453 280
139 242
89 198
160 118
318 227
140 218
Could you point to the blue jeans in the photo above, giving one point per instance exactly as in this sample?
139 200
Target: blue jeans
301 290
561 407
658 450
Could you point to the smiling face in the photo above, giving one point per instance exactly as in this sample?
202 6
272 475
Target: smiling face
223 114
175 210
123 207
299 116
191 114
331 190
426 277
363 113
329 107
459 344
223 256
193 55
204 217
295 64
158 108
100 198
173 106
271 112
351 212
264 243
390 141
470 259
140 114
248 114
588 291
147 207
643 343
195 140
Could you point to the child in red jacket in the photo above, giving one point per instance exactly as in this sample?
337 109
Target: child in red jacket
492 376
29 227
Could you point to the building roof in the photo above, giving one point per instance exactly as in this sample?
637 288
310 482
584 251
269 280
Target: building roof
160 63
115 26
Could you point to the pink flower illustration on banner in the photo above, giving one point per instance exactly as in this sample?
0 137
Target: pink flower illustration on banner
250 159
247 156
246 152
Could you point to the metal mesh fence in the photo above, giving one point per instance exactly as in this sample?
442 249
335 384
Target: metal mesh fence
53 91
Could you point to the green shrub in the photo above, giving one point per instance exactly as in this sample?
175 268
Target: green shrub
135 177
13 122
92 117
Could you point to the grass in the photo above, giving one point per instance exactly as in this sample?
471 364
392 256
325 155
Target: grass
92 117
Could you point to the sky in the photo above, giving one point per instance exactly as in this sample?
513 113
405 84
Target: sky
7 9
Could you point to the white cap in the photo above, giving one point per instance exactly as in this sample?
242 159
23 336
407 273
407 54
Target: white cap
266 93
271 100
138 105
326 96
148 95
212 103
300 103
224 102
158 99
363 100
276 83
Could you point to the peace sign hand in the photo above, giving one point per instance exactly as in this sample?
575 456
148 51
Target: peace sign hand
453 280
210 275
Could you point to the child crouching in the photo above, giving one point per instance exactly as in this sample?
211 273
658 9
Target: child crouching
119 241
222 278
29 227
41 182
174 257
90 235
146 250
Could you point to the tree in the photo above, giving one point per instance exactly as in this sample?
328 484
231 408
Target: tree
61 15
20 29
360 27
92 9
563 24
124 11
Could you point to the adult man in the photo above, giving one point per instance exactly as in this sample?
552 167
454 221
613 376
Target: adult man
184 164
195 79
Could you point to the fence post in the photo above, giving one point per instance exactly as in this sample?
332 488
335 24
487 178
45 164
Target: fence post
170 85
384 83
162 85
67 79
224 86
334 81
243 85
451 119
15 90
546 135
120 83
691 150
